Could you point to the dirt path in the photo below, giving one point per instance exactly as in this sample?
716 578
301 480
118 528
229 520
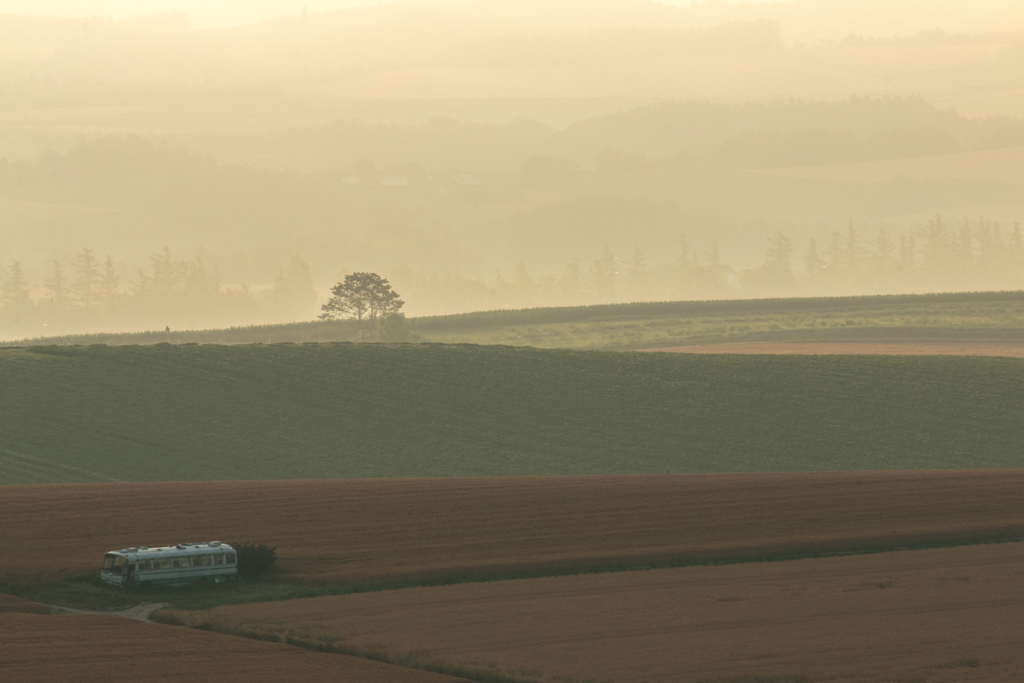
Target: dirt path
1005 349
142 612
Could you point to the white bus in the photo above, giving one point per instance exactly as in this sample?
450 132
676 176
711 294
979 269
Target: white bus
173 565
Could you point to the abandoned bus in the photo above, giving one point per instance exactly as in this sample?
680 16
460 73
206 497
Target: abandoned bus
173 565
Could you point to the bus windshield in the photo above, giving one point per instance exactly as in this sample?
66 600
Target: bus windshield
113 563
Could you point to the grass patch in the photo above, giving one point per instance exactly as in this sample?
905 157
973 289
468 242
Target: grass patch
90 593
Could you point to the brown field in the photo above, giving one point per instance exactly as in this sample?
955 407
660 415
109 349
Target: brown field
416 530
939 616
1009 350
9 603
86 648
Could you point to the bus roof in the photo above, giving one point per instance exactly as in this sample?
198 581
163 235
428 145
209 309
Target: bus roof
145 553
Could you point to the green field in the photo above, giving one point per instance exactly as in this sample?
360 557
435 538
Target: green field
190 412
970 316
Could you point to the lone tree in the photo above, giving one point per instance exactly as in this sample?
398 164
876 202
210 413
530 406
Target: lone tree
362 296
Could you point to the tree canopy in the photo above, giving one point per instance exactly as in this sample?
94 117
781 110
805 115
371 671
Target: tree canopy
362 296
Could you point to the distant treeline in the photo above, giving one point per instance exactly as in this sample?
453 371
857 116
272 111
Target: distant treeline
973 255
89 295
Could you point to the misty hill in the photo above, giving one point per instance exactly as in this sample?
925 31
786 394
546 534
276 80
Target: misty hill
694 134
618 225
446 195
335 410
687 134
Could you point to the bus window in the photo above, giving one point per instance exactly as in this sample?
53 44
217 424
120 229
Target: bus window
145 565
229 558
162 564
181 563
202 561
218 559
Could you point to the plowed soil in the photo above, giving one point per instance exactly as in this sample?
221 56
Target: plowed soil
9 603
929 615
416 530
86 648
1008 350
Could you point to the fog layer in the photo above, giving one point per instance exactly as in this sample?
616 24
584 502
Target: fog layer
484 155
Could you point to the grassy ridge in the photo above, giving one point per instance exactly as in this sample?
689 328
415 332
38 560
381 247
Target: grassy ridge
282 411
698 309
969 316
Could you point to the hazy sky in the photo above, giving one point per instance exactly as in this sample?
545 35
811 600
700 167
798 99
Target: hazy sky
812 19
203 13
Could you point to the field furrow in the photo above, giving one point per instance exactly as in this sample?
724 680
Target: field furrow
389 532
94 649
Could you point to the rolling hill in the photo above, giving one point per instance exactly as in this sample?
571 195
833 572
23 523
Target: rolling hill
321 411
